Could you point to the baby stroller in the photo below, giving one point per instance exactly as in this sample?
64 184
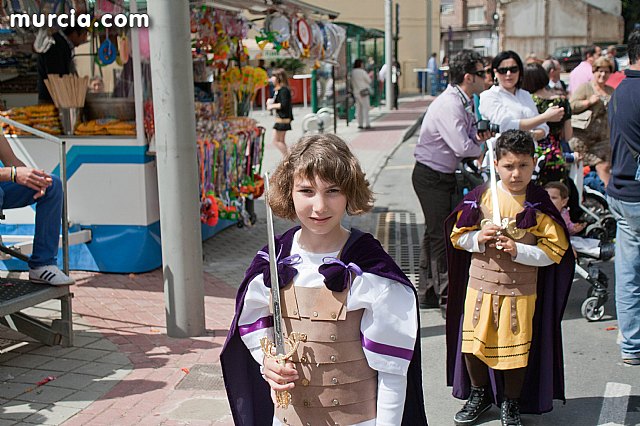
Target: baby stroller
601 223
593 306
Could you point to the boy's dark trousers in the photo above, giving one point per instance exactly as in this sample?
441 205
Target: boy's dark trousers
434 190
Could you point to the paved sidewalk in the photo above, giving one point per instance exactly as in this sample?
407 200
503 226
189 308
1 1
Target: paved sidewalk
124 370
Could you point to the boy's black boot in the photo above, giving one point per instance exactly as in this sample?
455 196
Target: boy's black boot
510 413
479 401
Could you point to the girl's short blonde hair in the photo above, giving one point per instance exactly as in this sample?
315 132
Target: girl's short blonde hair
328 158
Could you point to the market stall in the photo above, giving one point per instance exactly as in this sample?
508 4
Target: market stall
111 168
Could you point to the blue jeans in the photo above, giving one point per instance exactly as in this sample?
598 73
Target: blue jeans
627 264
48 217
434 84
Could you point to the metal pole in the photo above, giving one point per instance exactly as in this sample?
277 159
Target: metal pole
138 90
65 213
388 54
304 92
333 88
172 82
314 91
429 30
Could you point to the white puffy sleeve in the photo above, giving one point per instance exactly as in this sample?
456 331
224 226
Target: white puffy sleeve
255 321
389 324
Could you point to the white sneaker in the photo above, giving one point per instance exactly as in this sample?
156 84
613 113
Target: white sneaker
49 274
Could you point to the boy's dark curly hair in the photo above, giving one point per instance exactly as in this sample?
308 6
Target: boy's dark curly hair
516 142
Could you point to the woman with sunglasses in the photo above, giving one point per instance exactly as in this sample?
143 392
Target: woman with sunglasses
510 106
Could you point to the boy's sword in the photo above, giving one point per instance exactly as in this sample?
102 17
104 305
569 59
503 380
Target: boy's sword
280 344
508 226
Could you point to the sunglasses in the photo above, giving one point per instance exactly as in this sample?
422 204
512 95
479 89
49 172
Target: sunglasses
504 70
479 73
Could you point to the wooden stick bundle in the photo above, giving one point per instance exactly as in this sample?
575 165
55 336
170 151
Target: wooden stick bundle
68 91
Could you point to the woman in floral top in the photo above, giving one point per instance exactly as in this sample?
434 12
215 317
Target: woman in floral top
551 158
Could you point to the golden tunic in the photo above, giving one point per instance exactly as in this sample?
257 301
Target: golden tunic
497 328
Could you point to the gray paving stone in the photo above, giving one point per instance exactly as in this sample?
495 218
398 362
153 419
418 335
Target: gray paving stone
54 415
73 381
118 374
103 344
87 354
45 394
102 386
96 369
10 390
53 351
116 358
62 364
8 373
18 410
84 338
27 361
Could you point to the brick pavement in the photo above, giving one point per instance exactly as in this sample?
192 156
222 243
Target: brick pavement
124 369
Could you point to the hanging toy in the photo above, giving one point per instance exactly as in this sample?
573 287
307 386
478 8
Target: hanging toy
124 51
303 35
107 52
265 37
209 210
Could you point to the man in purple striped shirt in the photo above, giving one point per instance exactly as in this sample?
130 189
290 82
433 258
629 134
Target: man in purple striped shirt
448 134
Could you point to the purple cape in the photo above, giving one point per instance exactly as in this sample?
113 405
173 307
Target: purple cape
544 379
248 393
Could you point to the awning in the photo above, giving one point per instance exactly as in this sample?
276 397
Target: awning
354 31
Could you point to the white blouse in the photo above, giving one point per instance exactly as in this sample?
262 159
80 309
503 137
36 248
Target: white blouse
389 319
506 109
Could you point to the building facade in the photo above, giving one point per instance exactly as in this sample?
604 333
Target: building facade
419 30
528 26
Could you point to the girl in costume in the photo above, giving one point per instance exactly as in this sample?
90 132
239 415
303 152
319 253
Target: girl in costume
508 276
359 359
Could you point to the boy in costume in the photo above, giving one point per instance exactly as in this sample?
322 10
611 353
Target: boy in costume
510 285
358 362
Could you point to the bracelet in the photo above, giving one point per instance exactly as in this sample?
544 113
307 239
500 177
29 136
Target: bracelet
14 172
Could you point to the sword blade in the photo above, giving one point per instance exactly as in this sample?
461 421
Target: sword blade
278 335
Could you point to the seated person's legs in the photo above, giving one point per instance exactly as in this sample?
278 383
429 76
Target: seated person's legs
43 260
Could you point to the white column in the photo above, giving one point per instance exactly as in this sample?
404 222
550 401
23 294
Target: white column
388 54
172 82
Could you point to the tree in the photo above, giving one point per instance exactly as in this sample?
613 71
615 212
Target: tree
631 15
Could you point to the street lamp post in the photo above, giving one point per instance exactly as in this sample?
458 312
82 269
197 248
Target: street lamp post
496 21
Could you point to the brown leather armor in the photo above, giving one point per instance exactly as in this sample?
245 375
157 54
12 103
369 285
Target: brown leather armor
494 272
336 384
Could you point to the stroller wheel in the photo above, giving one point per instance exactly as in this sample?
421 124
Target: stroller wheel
597 233
590 309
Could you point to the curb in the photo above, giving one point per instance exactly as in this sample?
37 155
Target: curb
408 133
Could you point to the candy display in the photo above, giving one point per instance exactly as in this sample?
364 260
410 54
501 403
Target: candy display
41 117
107 126
230 163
